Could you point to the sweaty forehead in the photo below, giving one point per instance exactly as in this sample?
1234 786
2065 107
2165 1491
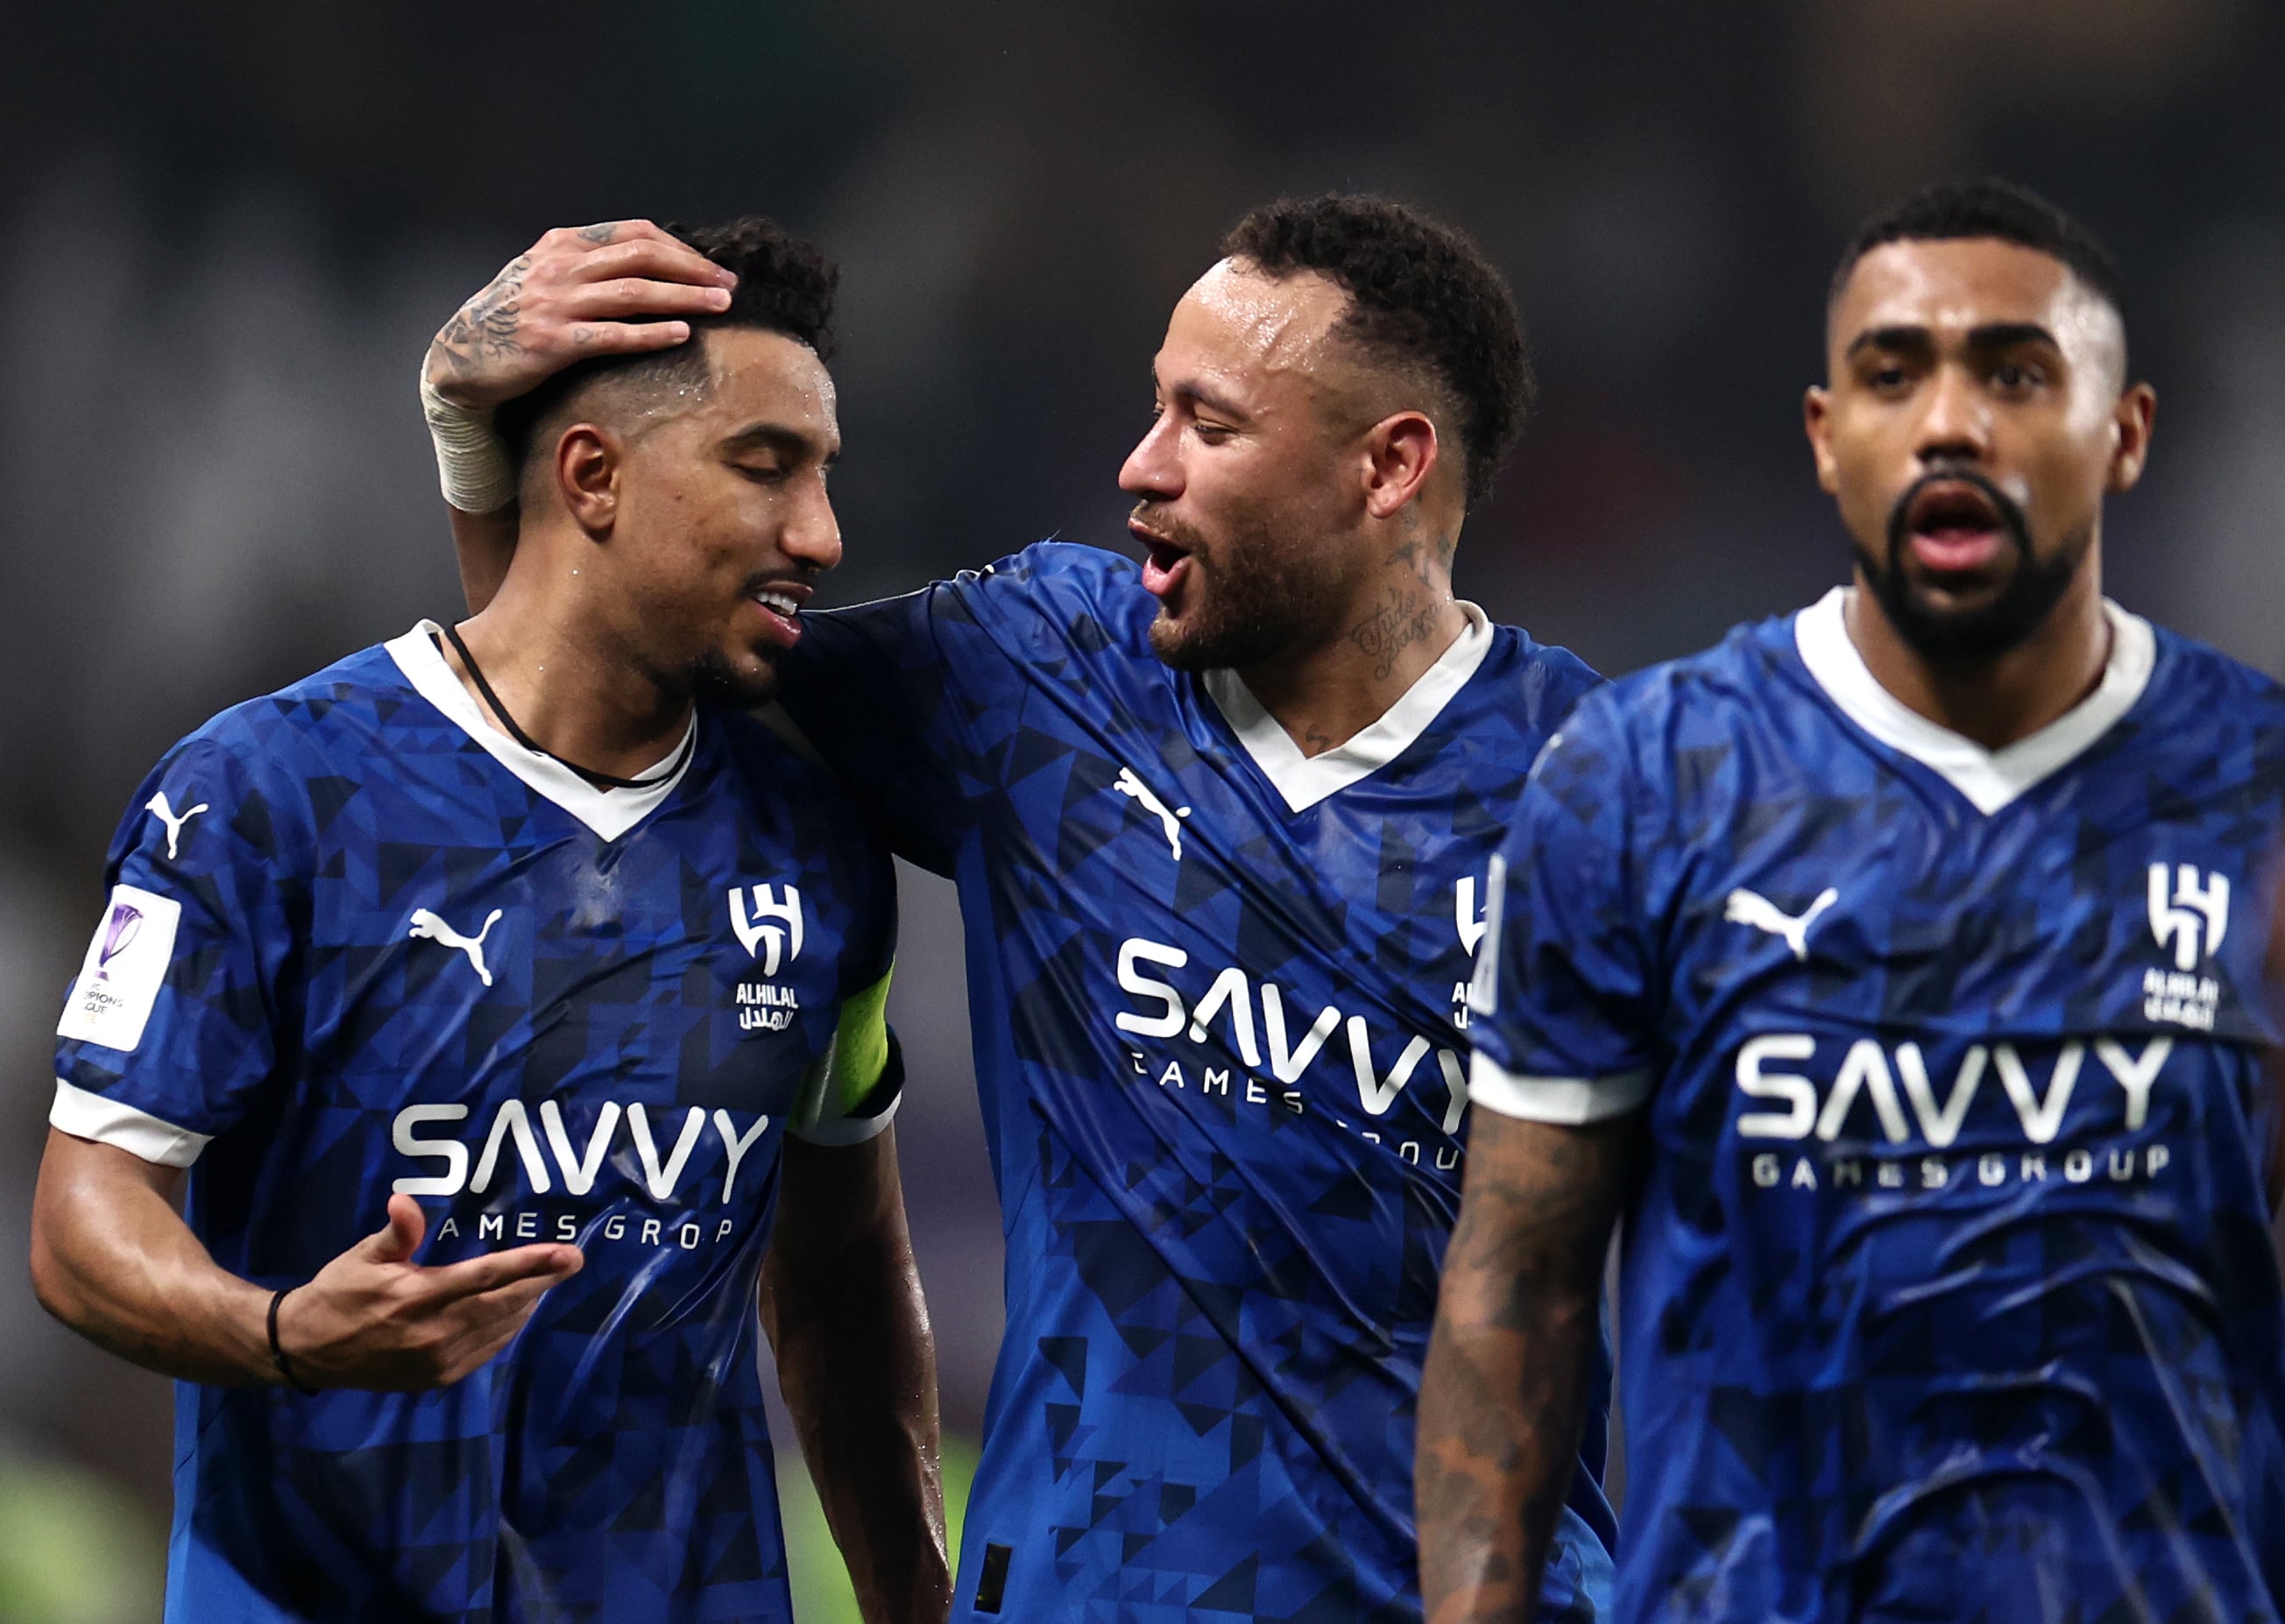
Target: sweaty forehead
755 374
1241 323
1950 287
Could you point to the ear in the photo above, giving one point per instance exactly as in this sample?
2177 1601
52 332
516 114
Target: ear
1401 452
1816 419
588 458
2132 419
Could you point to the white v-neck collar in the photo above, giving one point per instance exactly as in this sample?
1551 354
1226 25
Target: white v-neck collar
610 813
1990 779
1304 780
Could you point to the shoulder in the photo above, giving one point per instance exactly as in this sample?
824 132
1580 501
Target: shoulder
1543 680
2190 676
1071 568
1084 592
1052 592
1502 716
325 721
2222 720
1713 690
269 771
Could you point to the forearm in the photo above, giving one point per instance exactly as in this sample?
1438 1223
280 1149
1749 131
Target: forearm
857 1361
484 544
112 1260
1505 1392
1501 1407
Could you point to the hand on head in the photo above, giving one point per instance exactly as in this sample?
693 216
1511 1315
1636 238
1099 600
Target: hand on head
617 288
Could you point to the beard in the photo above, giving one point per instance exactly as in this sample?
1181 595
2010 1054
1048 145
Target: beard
711 680
1259 592
1977 635
712 676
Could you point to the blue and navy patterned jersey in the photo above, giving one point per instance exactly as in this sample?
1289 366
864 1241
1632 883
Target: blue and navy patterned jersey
1950 1292
1218 999
358 942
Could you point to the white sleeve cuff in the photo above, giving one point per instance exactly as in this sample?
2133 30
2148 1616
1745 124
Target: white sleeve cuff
1566 1101
107 1122
850 1130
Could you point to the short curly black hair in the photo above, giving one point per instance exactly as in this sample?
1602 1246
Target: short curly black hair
1423 296
785 285
1990 206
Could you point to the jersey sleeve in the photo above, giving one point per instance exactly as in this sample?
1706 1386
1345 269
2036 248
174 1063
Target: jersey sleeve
1562 1008
917 701
853 1088
170 1028
870 688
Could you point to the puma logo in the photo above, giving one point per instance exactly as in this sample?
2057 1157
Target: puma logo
1128 784
1746 907
160 804
428 927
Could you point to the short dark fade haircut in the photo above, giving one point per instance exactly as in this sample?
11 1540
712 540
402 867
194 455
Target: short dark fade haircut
785 285
1423 296
1990 206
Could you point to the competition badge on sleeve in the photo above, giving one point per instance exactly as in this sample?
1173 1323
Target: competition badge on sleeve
119 983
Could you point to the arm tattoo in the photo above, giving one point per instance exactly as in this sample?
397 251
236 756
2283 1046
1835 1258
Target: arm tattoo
1502 1399
487 327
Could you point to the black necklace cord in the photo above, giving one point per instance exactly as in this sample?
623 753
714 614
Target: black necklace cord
603 781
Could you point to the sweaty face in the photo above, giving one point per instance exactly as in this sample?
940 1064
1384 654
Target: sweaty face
1972 425
1239 500
723 522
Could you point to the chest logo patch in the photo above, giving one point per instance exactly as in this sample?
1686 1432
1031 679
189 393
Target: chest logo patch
165 810
1471 924
2194 916
428 927
1170 820
1752 909
772 930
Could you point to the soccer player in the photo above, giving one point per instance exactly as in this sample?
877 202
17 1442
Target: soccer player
522 933
1219 825
1894 967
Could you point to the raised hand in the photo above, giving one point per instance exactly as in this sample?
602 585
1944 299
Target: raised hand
374 1319
616 288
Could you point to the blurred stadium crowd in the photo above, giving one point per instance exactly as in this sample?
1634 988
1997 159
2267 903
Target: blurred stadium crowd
232 229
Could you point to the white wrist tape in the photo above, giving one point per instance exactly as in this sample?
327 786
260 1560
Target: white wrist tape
472 464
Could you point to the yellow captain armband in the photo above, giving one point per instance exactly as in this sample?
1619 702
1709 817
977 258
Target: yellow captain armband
852 1089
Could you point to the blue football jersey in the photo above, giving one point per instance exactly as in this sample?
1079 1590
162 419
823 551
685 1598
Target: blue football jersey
1218 994
1949 1293
357 943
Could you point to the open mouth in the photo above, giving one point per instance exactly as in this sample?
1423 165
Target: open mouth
1164 563
779 604
1955 527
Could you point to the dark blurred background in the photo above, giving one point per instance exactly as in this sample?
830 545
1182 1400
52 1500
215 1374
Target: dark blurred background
231 230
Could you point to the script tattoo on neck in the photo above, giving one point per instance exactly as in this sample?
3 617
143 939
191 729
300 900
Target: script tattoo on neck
487 327
1399 620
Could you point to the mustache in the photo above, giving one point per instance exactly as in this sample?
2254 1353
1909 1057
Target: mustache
1150 517
2012 517
763 580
